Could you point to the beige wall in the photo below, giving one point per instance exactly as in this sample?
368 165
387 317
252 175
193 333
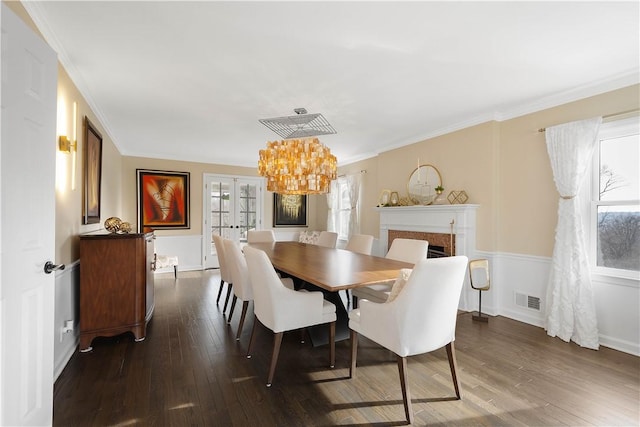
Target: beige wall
69 199
527 192
503 167
196 171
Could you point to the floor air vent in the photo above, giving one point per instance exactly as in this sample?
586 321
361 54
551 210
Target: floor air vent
528 301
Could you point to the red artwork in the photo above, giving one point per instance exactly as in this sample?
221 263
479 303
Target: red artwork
163 199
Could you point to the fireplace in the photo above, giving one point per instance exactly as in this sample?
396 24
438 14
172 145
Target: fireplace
452 228
449 229
440 244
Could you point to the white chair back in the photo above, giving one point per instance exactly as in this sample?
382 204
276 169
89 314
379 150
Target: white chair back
408 250
276 306
282 309
328 239
422 318
222 260
261 236
361 243
239 271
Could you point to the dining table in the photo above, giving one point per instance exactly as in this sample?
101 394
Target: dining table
330 270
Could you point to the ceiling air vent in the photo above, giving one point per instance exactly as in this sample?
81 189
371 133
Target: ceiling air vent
528 301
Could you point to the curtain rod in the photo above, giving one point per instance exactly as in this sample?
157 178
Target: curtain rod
608 116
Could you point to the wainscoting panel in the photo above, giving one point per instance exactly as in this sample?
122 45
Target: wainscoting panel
617 302
514 276
67 308
188 249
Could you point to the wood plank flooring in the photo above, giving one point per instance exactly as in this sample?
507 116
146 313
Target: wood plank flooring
190 370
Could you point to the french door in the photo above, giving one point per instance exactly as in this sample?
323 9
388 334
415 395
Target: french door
232 206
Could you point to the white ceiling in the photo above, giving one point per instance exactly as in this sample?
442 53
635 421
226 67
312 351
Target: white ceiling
189 80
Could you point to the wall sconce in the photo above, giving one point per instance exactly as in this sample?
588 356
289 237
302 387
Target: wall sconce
65 145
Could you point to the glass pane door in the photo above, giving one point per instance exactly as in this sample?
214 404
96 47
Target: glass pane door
248 208
232 206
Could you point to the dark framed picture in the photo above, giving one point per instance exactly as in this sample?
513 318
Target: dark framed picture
92 163
163 199
289 210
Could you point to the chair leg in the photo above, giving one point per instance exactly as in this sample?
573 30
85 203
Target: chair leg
277 341
354 302
332 344
220 291
175 271
451 355
354 353
226 300
233 306
245 305
253 336
404 383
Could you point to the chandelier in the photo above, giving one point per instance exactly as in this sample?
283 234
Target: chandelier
297 166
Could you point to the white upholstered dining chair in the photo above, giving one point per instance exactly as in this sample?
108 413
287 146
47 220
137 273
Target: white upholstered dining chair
361 243
407 250
242 284
225 274
327 239
282 309
240 276
261 236
418 318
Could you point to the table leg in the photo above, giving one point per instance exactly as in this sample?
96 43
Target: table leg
319 334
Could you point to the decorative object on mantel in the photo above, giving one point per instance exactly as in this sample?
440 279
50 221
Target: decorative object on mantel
422 183
125 227
112 224
440 197
383 199
458 197
395 199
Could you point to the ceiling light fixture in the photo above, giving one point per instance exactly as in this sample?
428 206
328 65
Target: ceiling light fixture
301 125
298 166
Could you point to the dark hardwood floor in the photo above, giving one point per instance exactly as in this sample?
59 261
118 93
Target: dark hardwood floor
191 371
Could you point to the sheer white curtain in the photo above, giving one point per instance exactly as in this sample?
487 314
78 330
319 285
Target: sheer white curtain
353 183
333 213
570 307
343 212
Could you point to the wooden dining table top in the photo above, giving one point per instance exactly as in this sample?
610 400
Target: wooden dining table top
329 268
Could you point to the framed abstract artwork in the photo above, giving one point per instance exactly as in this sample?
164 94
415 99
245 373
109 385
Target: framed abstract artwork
289 210
92 162
163 199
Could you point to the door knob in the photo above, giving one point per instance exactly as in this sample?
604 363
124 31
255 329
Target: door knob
50 267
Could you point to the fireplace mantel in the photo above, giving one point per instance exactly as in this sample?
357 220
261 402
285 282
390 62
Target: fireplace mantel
457 219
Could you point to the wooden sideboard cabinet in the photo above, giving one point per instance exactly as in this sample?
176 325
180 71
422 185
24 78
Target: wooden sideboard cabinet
116 285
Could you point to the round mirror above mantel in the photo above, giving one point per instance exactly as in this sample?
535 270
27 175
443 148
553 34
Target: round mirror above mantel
422 184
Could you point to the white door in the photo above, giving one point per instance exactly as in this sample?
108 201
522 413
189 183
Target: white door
27 224
232 205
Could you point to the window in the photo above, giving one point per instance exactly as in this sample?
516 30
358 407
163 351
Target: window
614 227
343 201
343 208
